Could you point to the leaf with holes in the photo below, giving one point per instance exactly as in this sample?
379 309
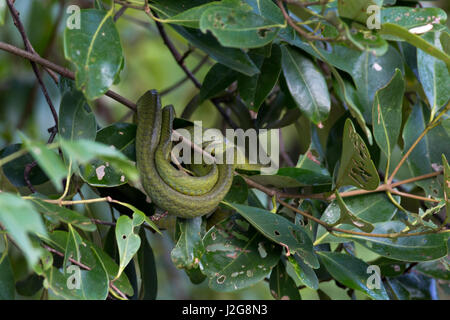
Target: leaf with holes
99 173
238 27
281 284
356 167
128 242
83 151
96 52
280 230
351 272
412 17
189 247
387 114
236 255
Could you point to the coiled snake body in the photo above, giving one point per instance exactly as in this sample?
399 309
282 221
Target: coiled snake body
179 194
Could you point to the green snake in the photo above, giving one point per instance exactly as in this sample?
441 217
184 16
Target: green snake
170 189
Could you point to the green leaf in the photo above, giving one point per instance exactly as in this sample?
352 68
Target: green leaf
418 286
20 219
387 114
304 272
439 269
433 75
191 17
352 272
415 248
429 150
356 9
415 40
346 216
236 255
396 290
7 283
64 215
281 284
96 52
233 58
168 8
238 27
372 208
14 170
122 137
238 192
58 240
90 284
390 267
267 9
72 251
254 90
30 285
371 73
76 119
128 242
280 230
356 166
85 151
293 177
412 17
218 78
306 84
147 266
189 248
47 159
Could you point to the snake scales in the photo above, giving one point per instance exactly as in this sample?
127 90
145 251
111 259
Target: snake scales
172 190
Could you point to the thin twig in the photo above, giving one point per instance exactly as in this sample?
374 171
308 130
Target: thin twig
15 14
61 70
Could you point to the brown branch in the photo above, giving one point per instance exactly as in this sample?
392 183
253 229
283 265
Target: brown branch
351 232
15 15
302 32
180 61
182 81
61 70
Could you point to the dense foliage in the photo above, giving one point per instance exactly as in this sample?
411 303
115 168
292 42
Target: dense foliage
359 90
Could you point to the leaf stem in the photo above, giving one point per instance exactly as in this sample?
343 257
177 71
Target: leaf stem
430 126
